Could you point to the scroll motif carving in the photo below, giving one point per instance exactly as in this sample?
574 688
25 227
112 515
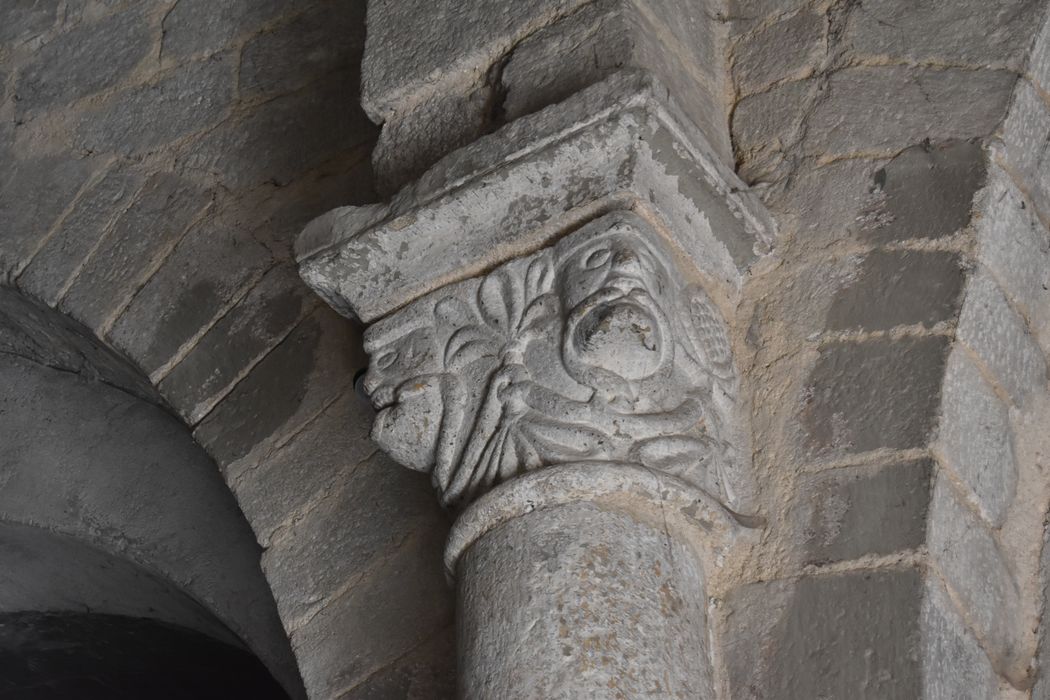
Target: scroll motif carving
597 348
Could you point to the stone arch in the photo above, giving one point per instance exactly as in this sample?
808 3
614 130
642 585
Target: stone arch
108 507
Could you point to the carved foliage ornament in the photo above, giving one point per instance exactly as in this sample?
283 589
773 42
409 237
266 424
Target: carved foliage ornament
594 349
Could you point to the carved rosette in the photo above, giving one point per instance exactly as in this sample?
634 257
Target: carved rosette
598 348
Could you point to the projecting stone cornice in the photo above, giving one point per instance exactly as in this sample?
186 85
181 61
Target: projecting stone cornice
617 145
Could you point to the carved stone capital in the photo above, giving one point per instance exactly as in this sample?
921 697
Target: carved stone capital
554 295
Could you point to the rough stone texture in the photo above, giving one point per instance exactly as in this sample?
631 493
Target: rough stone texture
924 192
789 49
403 594
968 32
138 242
72 241
974 437
899 289
852 512
975 569
886 108
579 602
1000 337
364 514
231 347
1024 144
426 673
877 393
954 665
800 638
308 369
84 60
1015 247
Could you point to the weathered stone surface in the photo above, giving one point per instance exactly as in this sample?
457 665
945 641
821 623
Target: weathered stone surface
32 198
236 342
193 27
427 673
878 393
899 289
282 138
1024 144
953 664
369 511
317 42
23 21
852 512
786 50
397 73
142 119
530 189
975 569
1001 339
574 602
51 269
138 241
887 108
166 313
674 40
309 369
970 32
308 473
1039 57
400 602
801 638
89 58
1015 247
926 191
766 127
975 438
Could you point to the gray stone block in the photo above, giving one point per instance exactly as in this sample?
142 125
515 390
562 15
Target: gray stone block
873 394
886 108
790 49
971 32
26 20
58 260
306 371
144 118
278 140
318 42
976 570
309 472
839 636
1001 339
402 602
85 60
138 241
974 437
953 664
857 511
899 288
924 192
194 27
427 673
766 127
1015 247
370 510
32 198
1039 57
166 312
236 342
1025 133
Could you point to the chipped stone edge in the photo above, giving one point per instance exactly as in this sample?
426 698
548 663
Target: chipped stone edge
333 238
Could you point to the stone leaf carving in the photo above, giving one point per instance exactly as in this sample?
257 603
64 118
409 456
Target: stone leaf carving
597 348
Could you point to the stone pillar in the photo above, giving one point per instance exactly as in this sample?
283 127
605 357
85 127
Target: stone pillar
551 310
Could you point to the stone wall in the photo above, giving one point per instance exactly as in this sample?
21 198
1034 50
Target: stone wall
161 157
987 526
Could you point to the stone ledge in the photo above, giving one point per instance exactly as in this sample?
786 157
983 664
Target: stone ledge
620 144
